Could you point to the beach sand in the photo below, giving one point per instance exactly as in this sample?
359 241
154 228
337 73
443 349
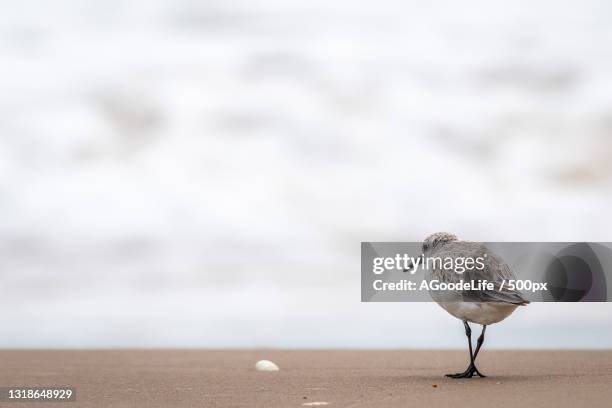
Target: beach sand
342 378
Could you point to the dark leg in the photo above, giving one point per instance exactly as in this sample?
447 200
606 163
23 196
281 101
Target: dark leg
480 341
471 370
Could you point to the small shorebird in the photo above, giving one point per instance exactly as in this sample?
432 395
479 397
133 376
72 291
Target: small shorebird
482 307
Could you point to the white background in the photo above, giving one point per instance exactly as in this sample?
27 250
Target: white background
201 173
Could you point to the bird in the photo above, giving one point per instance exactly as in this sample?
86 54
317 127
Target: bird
480 306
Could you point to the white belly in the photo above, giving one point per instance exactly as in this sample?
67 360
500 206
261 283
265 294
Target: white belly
480 313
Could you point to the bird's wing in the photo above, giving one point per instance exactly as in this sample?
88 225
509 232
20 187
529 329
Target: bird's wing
495 270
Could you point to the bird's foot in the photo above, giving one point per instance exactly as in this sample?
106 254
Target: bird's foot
468 373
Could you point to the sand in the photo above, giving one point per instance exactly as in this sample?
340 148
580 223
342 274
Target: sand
351 378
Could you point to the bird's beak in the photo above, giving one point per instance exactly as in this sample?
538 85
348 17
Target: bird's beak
409 268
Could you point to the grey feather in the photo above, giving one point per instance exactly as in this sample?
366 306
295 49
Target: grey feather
495 270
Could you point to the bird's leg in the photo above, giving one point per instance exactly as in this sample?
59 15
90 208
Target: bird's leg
480 340
471 370
478 346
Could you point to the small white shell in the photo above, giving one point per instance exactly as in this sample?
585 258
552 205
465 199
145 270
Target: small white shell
266 365
315 404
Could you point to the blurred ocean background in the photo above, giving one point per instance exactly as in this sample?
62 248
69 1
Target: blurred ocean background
201 173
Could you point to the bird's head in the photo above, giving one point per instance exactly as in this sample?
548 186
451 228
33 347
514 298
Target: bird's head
437 239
